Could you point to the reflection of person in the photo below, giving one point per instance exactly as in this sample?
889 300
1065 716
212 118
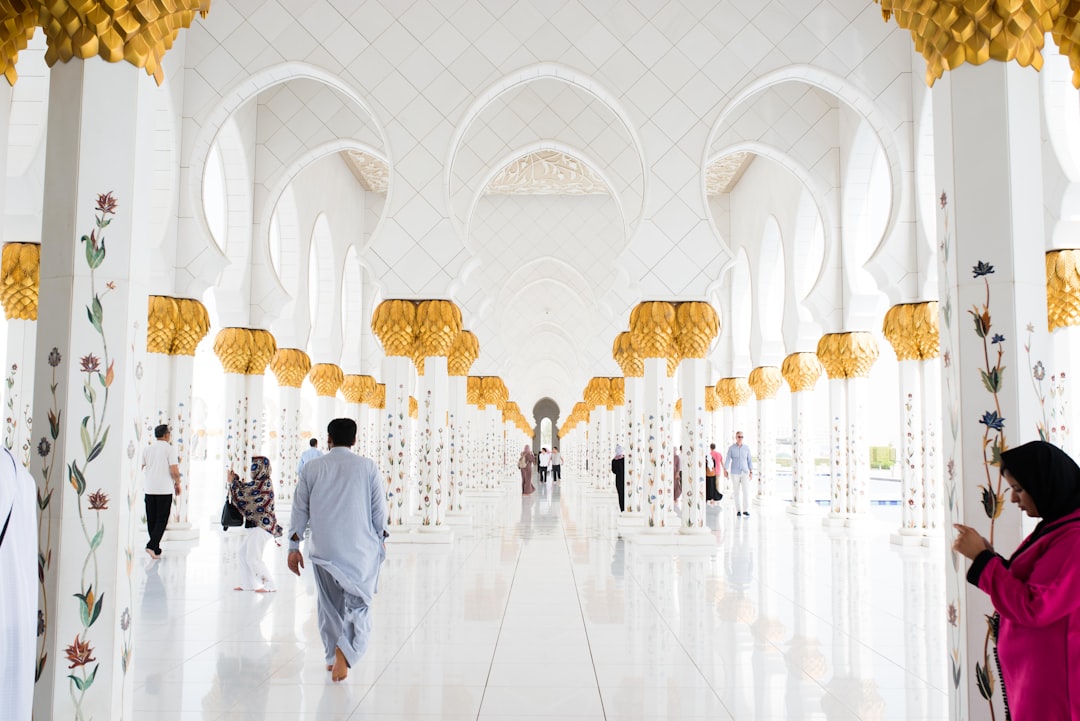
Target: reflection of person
1036 593
525 464
740 467
255 499
340 495
618 467
18 569
310 454
556 465
162 479
713 462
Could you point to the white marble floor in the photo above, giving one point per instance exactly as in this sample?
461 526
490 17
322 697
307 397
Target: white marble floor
541 610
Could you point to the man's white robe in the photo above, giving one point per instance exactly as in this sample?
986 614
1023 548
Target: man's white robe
340 496
18 589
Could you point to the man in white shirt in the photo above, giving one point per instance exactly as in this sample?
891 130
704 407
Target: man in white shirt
310 454
161 480
556 465
544 462
740 466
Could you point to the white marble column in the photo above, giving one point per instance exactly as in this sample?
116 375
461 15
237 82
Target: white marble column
19 294
992 289
801 372
459 443
290 367
765 381
693 373
434 409
397 374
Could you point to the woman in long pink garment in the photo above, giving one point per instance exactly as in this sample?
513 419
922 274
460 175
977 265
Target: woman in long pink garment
525 464
1036 592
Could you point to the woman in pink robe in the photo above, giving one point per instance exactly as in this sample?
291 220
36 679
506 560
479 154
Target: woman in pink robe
1037 591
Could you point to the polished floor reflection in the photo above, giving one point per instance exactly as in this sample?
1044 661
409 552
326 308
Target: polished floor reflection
541 610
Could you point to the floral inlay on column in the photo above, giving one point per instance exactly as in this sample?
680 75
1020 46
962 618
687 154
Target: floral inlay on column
45 449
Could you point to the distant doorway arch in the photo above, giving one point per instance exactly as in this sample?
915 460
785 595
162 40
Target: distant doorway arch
545 415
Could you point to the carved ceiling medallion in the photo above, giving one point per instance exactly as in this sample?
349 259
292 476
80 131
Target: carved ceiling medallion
547 172
371 172
722 176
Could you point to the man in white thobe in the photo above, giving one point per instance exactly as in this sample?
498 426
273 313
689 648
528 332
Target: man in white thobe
18 588
340 496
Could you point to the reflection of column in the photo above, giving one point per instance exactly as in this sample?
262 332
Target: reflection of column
696 327
463 354
801 371
438 324
917 613
394 323
989 205
765 381
652 331
912 329
805 661
290 366
19 294
847 358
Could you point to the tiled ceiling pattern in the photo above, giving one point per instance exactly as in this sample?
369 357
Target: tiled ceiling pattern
547 268
550 112
671 66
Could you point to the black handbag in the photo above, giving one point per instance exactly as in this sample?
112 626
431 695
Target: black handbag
231 516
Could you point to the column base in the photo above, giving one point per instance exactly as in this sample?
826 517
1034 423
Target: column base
704 534
424 534
180 532
802 509
835 520
668 537
459 518
907 537
489 492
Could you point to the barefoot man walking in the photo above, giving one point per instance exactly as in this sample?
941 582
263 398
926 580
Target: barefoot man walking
340 495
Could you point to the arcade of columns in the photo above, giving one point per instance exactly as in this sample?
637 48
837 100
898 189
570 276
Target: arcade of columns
96 377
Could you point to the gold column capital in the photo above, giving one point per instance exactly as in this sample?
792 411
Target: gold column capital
765 381
696 327
378 397
598 392
327 378
712 401
618 392
494 391
20 275
244 351
394 324
473 393
138 31
622 350
414 408
463 353
652 329
801 371
438 323
912 330
263 349
733 391
949 33
291 366
192 325
20 22
162 318
1062 288
847 355
357 388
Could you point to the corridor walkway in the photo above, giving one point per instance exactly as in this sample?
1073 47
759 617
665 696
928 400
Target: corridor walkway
541 610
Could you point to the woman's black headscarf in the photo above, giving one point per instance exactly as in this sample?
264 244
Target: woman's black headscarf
1048 475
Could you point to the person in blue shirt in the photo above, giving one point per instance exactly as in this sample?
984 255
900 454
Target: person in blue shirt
310 454
739 466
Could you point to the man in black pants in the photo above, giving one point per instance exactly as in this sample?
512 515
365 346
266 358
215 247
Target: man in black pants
556 464
160 481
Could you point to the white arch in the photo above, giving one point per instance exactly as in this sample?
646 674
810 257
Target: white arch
524 76
249 88
852 95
